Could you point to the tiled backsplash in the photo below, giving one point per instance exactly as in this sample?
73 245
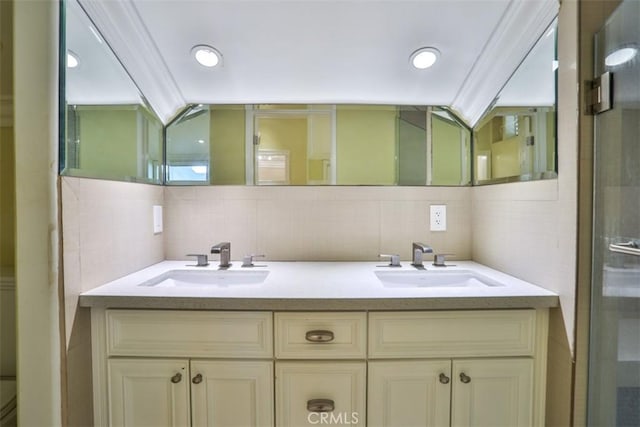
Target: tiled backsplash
314 223
107 233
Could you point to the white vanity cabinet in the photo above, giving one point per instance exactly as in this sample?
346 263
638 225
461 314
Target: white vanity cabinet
167 392
458 368
182 368
378 368
320 368
148 392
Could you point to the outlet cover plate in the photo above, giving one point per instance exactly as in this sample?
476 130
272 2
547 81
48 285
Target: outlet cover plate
157 219
438 215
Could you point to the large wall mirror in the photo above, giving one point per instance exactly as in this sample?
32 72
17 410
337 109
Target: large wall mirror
280 144
110 132
516 139
288 119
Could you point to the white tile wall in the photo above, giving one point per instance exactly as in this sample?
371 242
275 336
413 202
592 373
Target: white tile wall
314 223
107 233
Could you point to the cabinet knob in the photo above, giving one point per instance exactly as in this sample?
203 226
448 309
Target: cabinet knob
320 405
319 335
444 379
465 378
176 378
197 379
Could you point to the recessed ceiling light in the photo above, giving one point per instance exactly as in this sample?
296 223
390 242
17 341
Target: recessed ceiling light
424 57
620 56
206 56
72 60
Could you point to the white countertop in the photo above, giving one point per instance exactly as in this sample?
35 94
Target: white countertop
317 286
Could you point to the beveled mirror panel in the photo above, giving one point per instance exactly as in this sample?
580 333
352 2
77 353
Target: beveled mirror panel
210 138
110 132
317 145
516 139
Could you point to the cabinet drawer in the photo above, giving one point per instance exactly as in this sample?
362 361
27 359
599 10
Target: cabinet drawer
168 333
323 392
452 334
320 335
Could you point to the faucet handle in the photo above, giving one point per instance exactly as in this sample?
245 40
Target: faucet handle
203 259
439 259
247 260
394 259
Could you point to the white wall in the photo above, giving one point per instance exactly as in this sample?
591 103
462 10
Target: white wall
108 233
36 147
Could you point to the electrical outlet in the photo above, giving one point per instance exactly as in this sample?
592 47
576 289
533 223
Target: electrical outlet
438 217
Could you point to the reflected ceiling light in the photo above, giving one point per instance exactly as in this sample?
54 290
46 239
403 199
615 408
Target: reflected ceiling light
206 56
199 169
95 34
201 141
72 60
620 56
424 57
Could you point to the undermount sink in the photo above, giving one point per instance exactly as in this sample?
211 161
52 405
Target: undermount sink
434 279
204 278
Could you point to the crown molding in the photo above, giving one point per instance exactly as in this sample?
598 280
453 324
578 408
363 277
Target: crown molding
121 26
522 24
6 111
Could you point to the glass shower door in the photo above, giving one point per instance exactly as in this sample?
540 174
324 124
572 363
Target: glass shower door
614 355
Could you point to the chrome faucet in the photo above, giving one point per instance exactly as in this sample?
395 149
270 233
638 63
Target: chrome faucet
224 249
418 250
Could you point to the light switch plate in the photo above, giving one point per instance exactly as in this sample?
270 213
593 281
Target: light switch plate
157 219
438 217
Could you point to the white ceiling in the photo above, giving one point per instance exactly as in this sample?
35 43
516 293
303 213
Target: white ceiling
320 51
99 78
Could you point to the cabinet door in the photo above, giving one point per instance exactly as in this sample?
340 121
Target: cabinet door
148 392
324 393
232 393
492 393
409 393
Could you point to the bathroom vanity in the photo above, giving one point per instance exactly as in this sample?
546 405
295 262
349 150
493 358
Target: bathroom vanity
294 344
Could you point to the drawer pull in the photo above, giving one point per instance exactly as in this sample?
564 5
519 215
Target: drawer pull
465 378
319 335
444 379
320 405
176 378
197 379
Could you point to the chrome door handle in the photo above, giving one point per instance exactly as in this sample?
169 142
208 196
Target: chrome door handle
628 248
319 335
320 405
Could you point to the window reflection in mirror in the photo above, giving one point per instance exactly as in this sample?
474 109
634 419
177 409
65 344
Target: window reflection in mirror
516 139
317 145
110 133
